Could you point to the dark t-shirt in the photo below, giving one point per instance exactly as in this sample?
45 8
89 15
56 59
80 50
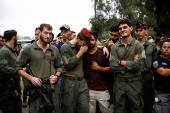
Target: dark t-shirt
59 45
97 80
161 83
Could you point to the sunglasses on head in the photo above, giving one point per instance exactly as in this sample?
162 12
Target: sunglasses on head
113 35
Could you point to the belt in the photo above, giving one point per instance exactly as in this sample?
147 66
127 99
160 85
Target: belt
122 79
74 78
45 81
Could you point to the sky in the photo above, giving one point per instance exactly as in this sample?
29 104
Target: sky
25 15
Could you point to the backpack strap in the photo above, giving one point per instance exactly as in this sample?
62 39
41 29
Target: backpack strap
96 60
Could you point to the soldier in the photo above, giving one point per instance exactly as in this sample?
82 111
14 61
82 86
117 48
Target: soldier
10 89
65 34
161 71
40 56
127 57
147 79
114 36
74 86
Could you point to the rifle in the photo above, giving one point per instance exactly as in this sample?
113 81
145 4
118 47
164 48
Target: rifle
40 91
9 84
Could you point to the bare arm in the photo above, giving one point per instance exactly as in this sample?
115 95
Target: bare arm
95 66
163 72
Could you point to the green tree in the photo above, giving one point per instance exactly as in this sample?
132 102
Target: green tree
104 17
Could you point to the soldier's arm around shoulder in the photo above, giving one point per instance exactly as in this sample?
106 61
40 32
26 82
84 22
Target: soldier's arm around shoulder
69 61
136 64
114 60
5 69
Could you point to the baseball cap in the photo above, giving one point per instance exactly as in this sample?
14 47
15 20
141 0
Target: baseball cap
65 27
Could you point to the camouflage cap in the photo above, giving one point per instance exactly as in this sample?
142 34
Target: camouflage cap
65 27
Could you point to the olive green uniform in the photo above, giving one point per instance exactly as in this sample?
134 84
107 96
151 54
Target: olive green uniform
73 86
147 79
40 64
127 88
7 60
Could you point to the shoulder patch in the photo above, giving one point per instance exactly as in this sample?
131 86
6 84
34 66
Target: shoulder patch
155 64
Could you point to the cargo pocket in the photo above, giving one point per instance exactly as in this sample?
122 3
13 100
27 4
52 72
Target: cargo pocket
141 100
64 93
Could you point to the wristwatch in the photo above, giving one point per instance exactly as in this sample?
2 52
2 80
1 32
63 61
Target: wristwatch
119 62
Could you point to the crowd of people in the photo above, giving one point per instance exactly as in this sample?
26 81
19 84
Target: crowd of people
80 74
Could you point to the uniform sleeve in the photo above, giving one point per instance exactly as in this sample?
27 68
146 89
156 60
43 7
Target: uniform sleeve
68 61
4 67
57 60
137 64
154 54
156 63
22 60
113 62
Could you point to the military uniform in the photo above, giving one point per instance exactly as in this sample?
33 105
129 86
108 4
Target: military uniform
74 89
7 61
127 88
40 64
147 79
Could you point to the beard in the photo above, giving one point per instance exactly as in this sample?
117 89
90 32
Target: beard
91 46
43 39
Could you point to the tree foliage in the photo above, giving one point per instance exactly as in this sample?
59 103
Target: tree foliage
154 13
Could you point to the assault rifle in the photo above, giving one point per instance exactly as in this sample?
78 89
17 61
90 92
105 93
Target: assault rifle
40 91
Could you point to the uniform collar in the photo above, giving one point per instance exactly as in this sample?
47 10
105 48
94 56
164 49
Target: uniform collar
37 47
13 49
146 43
131 43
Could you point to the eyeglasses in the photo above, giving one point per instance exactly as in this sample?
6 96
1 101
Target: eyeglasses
113 35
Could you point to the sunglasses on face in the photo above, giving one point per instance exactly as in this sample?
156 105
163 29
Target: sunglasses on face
113 35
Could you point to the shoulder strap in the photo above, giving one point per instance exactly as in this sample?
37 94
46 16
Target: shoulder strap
127 53
96 60
51 68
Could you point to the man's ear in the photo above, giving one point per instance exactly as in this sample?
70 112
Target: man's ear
131 28
77 37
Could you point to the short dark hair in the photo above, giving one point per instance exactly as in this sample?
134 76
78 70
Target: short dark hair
114 28
94 33
37 28
164 40
8 34
157 40
59 34
48 26
124 21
